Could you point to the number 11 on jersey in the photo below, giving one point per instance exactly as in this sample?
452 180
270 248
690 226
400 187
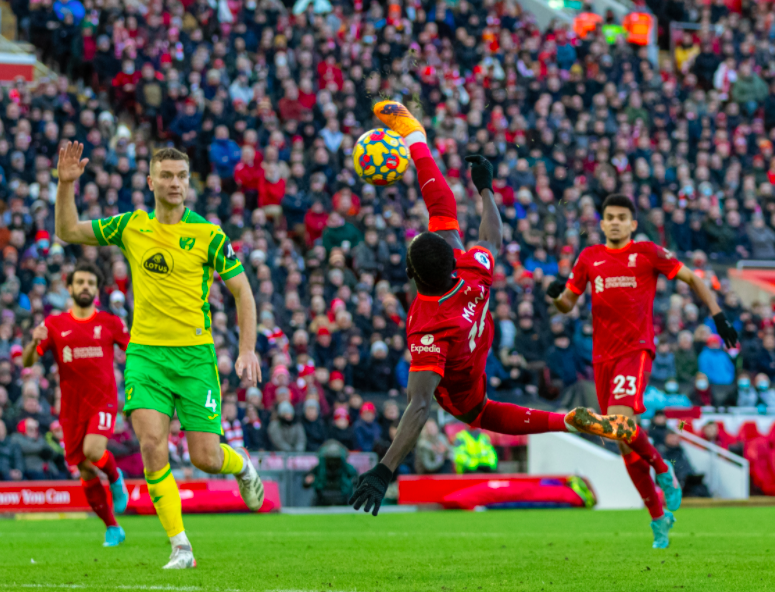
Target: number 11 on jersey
476 330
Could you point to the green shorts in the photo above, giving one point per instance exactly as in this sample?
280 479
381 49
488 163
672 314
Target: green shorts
167 379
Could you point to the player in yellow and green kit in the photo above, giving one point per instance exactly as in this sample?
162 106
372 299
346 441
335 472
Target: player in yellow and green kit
171 366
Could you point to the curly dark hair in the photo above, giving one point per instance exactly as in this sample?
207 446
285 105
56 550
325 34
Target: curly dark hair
430 262
88 267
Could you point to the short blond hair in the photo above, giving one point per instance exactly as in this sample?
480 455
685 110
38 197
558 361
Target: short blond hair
169 154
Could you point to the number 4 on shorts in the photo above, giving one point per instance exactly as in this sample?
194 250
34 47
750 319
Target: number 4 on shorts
211 403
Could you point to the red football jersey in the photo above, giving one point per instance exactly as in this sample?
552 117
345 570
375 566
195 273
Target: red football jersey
83 350
452 334
624 282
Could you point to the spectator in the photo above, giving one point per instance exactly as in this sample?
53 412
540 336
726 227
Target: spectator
367 430
685 358
178 447
125 447
339 232
433 451
749 90
340 429
746 393
382 378
765 391
285 434
254 430
39 458
11 458
658 429
314 428
762 239
231 425
391 414
281 378
690 481
562 361
766 359
701 395
224 153
715 363
664 366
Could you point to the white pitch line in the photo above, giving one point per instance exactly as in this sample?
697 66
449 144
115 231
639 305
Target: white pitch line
121 587
140 587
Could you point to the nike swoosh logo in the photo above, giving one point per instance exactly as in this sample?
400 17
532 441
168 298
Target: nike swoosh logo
596 263
66 333
429 181
156 499
621 396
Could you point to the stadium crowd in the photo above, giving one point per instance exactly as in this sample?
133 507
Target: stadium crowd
268 100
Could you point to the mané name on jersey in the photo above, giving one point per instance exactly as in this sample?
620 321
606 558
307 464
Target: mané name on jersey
172 272
83 350
452 334
624 282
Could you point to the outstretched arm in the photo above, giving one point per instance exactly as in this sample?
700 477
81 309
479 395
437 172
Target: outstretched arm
420 391
491 227
723 326
373 484
70 168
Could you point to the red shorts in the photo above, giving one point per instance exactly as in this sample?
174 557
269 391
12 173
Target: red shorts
622 381
101 423
461 402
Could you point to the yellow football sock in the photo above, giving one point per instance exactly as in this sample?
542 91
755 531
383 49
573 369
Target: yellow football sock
166 499
233 462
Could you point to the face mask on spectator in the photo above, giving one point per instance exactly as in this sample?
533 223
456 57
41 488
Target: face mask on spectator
701 384
762 385
744 383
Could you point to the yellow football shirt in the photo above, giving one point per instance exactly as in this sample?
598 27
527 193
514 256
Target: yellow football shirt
172 270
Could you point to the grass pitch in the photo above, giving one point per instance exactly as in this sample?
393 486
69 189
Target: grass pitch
724 549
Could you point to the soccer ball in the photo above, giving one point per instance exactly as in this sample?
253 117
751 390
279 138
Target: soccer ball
380 157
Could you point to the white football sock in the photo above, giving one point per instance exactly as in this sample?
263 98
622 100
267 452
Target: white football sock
179 540
415 137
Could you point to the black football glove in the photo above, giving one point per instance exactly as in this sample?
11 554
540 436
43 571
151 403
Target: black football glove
725 330
371 488
481 172
556 288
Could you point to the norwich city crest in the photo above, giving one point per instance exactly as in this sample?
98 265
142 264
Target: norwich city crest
187 243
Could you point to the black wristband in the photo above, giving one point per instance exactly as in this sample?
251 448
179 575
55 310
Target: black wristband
383 472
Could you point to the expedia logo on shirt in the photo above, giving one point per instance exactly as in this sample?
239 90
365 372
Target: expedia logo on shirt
158 262
427 346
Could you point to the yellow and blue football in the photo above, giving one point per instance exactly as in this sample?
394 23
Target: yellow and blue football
380 157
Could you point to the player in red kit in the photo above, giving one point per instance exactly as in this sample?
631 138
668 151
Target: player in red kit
623 277
82 341
449 327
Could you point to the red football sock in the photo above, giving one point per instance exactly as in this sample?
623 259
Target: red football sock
438 197
507 418
640 474
98 500
645 449
107 464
